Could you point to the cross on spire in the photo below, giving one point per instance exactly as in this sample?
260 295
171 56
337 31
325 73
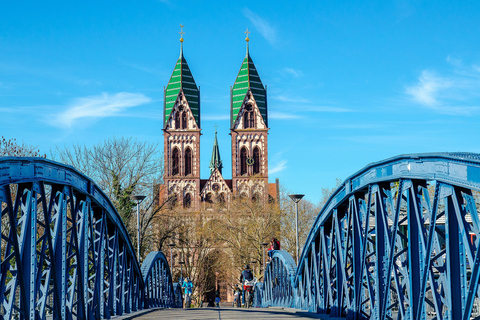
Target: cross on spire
181 39
181 33
247 38
215 126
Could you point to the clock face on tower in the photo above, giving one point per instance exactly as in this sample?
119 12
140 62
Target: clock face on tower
250 161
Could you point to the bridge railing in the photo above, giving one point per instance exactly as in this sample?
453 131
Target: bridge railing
398 239
277 287
64 249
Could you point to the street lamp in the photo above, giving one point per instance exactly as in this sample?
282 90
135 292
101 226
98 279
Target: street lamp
181 270
264 244
138 199
171 245
296 198
253 263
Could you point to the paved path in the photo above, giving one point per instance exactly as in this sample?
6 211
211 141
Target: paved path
220 314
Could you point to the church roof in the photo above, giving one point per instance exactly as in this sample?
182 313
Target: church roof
216 162
182 79
248 78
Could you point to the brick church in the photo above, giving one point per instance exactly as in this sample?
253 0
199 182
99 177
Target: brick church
248 129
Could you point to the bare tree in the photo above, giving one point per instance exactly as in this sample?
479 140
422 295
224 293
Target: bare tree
307 213
122 167
241 228
11 148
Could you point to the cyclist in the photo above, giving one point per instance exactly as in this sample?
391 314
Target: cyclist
246 275
188 288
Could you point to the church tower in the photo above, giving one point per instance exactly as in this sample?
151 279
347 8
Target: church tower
249 131
181 134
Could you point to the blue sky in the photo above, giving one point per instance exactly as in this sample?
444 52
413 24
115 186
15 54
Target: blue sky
349 82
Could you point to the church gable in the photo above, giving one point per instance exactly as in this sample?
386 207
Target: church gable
215 186
181 116
249 116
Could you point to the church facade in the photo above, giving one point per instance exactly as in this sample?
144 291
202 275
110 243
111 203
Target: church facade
249 133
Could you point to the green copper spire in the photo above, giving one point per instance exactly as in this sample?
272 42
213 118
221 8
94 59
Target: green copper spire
216 162
248 78
182 79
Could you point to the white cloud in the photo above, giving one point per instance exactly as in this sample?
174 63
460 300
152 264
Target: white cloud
150 70
455 92
97 107
280 166
281 115
262 26
293 72
290 99
428 88
326 109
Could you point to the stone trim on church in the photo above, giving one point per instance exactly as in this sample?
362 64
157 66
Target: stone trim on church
249 132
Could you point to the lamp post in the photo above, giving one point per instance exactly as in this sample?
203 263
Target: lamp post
171 245
296 198
138 199
253 263
264 245
181 270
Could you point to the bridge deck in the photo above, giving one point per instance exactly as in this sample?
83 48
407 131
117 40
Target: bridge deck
221 313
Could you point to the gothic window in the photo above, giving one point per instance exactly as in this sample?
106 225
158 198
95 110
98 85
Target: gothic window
187 201
184 120
208 198
188 161
221 199
177 120
248 117
175 162
243 161
256 160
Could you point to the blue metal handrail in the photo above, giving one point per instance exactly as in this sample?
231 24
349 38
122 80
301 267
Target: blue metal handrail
67 251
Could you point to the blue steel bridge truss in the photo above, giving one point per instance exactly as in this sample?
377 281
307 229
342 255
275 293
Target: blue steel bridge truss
65 253
397 240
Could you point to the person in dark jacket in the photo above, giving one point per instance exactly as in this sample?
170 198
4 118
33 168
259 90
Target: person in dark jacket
246 275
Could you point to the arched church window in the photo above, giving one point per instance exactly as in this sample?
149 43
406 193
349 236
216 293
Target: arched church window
256 160
221 199
177 120
243 161
184 120
188 161
208 198
175 162
248 117
187 201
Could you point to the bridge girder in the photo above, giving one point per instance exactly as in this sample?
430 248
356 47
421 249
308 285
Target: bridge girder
64 249
398 239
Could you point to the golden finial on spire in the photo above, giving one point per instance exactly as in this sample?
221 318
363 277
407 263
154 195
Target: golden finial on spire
247 38
181 32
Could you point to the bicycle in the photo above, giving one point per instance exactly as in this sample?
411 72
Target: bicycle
188 300
248 287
